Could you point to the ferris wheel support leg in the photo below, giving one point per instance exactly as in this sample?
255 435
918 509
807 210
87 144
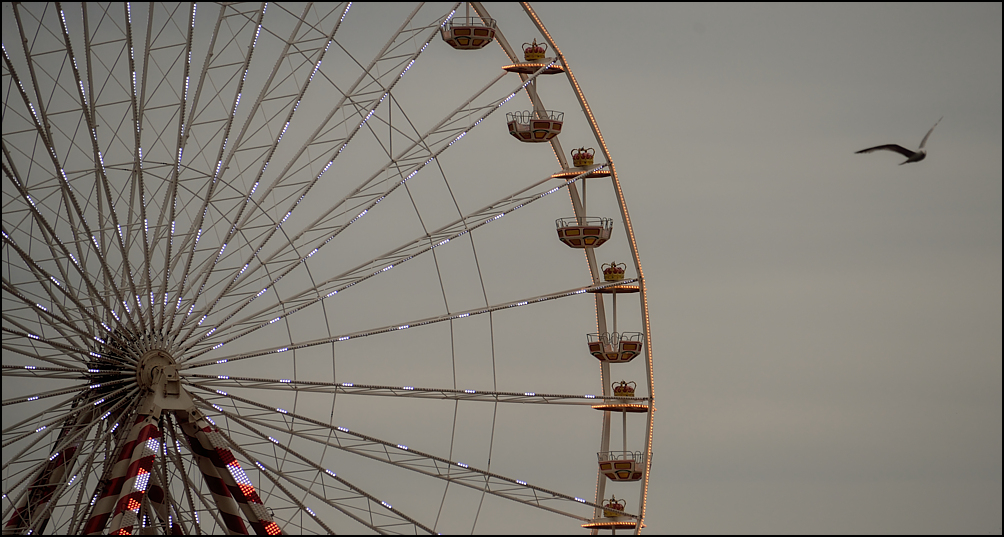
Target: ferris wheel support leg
31 512
224 500
141 451
111 488
211 447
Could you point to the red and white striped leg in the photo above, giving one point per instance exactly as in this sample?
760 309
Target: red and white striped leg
33 504
225 504
215 448
137 478
112 486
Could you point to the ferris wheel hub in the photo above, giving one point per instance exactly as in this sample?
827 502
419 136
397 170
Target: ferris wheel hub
152 366
157 374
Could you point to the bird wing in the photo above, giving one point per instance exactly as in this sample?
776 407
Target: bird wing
924 141
888 147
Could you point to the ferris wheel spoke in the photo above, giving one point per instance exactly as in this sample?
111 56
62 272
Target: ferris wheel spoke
216 121
261 149
60 342
214 382
61 323
133 146
102 177
53 393
404 457
30 62
376 514
158 52
108 109
396 171
84 404
66 191
45 281
188 364
320 291
44 278
359 92
59 255
301 188
26 336
30 371
407 325
18 426
52 243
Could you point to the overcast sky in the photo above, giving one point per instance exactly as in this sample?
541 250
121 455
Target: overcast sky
826 326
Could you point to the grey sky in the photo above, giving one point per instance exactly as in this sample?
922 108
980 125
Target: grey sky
826 326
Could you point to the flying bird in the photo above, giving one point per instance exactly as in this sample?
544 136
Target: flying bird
911 156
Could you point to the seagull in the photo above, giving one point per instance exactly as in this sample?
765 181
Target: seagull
911 156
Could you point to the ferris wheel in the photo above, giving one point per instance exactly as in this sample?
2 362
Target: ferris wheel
291 269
